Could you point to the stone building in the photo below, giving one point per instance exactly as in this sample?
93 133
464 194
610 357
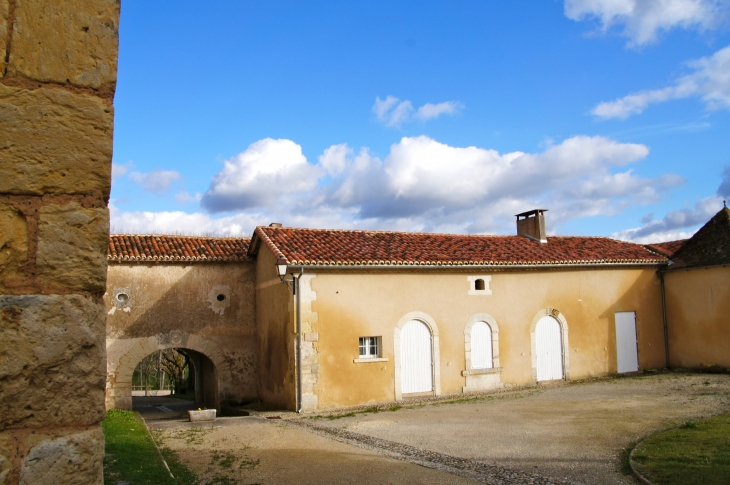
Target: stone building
58 69
377 316
182 292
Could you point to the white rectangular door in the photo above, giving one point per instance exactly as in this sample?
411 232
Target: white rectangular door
626 351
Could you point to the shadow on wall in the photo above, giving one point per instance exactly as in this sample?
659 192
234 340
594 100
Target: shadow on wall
644 298
195 303
174 305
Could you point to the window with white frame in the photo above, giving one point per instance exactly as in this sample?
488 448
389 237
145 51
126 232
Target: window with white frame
369 347
481 346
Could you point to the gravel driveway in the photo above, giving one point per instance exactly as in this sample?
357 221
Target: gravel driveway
574 432
571 433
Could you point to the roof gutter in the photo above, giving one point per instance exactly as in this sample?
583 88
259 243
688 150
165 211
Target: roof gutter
470 266
664 319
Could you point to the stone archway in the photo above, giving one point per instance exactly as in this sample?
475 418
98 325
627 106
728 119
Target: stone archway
124 354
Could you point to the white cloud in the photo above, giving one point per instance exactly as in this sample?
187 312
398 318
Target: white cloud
710 81
429 111
121 169
259 176
178 222
643 20
157 181
724 189
679 224
183 197
472 189
393 112
421 185
334 158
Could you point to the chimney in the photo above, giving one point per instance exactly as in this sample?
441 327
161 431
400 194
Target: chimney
275 224
531 224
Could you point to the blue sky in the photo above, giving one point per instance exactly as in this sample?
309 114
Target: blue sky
423 116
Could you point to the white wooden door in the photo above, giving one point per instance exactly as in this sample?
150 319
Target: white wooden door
627 354
549 348
416 359
481 346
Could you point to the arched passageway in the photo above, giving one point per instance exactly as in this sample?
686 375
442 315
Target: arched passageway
209 367
183 374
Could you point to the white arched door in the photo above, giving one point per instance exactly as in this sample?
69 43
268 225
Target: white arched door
416 358
481 346
549 348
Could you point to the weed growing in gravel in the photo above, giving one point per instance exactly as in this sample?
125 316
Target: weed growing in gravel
191 436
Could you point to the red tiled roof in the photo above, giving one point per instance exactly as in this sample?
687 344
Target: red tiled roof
132 247
667 248
710 246
377 248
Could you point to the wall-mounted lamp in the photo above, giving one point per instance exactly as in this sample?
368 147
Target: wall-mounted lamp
282 268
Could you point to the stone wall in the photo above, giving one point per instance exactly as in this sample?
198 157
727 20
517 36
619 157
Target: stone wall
58 63
205 307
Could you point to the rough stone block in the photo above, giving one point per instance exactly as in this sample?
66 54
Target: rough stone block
65 41
72 460
13 243
203 415
5 468
72 245
52 361
54 142
4 11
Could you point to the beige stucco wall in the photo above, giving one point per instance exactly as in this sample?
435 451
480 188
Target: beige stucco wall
176 305
275 315
349 305
698 317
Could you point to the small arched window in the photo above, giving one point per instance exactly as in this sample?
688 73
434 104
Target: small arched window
479 284
481 346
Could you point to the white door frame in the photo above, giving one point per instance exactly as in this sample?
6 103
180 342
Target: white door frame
435 357
550 312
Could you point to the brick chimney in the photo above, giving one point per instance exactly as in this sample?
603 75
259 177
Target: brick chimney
531 224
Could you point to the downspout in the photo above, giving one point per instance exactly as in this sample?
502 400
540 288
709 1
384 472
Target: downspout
664 318
299 339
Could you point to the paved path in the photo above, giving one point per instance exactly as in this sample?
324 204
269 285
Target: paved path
162 407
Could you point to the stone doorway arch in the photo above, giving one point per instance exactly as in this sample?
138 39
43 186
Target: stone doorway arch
123 355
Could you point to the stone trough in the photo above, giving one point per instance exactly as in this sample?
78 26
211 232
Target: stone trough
202 415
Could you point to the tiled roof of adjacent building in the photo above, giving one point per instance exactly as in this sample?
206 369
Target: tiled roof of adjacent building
710 246
384 248
133 247
667 248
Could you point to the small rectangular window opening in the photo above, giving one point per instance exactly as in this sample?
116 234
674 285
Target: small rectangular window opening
369 347
479 284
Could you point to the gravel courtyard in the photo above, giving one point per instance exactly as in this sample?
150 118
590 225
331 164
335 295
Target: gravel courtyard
572 433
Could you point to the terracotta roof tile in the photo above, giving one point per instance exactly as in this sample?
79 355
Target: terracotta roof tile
710 246
132 247
349 247
667 248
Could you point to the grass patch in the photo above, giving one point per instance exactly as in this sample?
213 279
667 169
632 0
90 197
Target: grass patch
695 453
131 455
